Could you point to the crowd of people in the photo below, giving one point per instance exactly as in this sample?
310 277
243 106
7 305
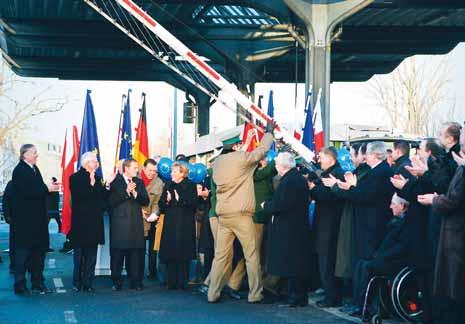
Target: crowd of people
252 219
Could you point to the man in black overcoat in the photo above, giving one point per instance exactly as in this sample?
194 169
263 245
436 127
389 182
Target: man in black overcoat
328 212
88 195
371 198
289 230
127 197
30 219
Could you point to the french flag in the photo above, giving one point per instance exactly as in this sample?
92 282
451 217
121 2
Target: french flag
319 136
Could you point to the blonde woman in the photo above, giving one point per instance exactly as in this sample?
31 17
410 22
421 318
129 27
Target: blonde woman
177 247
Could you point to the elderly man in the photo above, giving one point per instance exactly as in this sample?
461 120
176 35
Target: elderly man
154 186
289 231
328 212
233 176
392 254
88 194
30 221
127 197
371 199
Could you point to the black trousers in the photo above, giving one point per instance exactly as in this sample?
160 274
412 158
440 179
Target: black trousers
297 290
152 254
177 274
31 259
132 259
331 284
84 266
12 248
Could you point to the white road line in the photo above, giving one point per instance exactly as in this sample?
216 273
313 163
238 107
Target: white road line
51 264
70 317
61 291
58 283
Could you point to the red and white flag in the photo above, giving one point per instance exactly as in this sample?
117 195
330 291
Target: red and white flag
68 166
318 125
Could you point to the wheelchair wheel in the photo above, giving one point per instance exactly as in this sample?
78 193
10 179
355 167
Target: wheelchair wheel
376 320
406 297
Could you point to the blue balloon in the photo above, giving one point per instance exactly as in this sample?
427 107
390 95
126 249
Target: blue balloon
164 168
270 156
343 157
200 172
192 172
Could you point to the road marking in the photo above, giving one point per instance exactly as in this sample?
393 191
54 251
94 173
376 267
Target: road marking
52 264
58 283
70 317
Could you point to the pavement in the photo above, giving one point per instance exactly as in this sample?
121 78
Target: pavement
153 304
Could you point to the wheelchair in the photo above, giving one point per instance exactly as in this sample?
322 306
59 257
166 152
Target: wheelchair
399 298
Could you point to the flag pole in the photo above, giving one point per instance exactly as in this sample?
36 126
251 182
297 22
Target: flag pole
119 130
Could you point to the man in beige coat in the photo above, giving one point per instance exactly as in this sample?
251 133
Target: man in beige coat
233 176
154 187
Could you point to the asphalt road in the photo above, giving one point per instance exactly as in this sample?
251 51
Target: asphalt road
154 304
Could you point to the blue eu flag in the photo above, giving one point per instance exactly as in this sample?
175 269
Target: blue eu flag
89 138
125 149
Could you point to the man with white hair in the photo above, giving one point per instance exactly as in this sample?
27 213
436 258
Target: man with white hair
31 237
289 230
88 194
392 254
371 198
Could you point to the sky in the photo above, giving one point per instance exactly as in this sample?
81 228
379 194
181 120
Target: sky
350 104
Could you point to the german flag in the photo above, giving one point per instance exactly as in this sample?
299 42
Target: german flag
140 150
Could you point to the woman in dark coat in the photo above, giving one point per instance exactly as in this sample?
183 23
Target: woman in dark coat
88 195
177 247
289 230
328 212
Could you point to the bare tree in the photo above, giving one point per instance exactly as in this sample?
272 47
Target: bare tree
18 109
413 95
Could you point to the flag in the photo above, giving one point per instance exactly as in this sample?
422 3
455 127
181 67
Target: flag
255 140
68 167
271 113
125 147
141 146
309 132
89 138
318 124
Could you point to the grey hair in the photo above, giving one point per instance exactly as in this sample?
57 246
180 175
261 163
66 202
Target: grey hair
86 157
398 200
378 149
286 160
24 149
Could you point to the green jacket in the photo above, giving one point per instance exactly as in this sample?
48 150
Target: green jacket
263 185
212 212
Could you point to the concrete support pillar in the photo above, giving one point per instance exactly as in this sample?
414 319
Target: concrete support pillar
320 17
202 114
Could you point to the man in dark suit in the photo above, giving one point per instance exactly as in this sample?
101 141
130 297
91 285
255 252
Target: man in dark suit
88 194
371 198
127 197
30 221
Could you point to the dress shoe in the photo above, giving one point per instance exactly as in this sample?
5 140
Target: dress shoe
233 293
326 303
347 308
203 289
50 250
117 287
42 290
357 312
22 291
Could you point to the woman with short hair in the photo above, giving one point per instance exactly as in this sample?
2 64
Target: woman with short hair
177 247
